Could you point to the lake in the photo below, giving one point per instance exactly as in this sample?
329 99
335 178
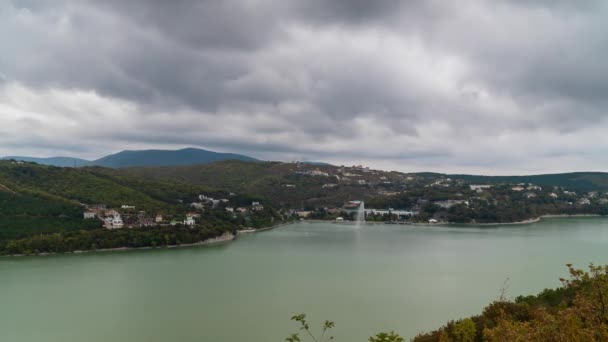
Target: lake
371 279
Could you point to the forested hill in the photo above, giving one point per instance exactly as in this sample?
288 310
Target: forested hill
187 156
294 182
582 181
42 199
42 210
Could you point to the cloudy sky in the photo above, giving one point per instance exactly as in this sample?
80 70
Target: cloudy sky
493 87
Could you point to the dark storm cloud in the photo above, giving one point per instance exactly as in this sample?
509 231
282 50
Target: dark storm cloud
345 80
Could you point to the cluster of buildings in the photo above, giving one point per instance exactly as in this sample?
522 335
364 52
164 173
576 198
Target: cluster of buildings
128 217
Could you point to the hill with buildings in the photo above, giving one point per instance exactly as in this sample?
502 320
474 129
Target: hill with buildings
440 197
578 181
56 209
40 199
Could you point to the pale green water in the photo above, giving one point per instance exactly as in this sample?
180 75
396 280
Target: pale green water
379 277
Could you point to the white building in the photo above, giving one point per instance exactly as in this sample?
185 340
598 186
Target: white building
319 173
189 221
450 203
89 215
390 211
114 222
479 187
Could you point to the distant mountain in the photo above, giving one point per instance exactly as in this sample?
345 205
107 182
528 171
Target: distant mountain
187 156
55 161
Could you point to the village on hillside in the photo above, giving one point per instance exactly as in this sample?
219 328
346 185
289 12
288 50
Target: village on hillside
127 216
395 197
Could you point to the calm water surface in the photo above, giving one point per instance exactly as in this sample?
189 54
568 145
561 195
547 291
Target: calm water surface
378 277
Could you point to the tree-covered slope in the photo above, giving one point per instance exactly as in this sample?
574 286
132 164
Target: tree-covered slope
39 199
583 181
74 184
23 214
276 182
187 156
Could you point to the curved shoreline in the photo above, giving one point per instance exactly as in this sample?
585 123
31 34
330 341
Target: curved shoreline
523 222
224 238
228 237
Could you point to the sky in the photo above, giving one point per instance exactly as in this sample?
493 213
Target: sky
487 87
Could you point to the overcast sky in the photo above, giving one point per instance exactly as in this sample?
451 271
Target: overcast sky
493 87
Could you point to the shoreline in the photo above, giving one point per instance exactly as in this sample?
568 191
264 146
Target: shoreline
425 224
229 237
224 238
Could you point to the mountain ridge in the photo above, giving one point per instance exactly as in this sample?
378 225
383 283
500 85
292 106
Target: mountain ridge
134 158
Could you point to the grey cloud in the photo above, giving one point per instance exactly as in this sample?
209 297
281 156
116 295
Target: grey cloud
405 80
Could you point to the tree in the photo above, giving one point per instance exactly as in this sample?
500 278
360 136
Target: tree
328 325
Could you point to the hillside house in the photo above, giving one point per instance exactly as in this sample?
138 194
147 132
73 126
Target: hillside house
158 218
303 214
480 187
450 203
198 206
89 214
114 222
112 213
584 201
190 220
319 173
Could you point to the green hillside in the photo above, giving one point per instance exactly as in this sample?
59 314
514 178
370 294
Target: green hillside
77 185
275 182
24 214
42 199
186 156
583 181
41 210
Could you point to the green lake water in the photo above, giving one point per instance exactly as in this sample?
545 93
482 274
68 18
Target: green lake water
371 279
